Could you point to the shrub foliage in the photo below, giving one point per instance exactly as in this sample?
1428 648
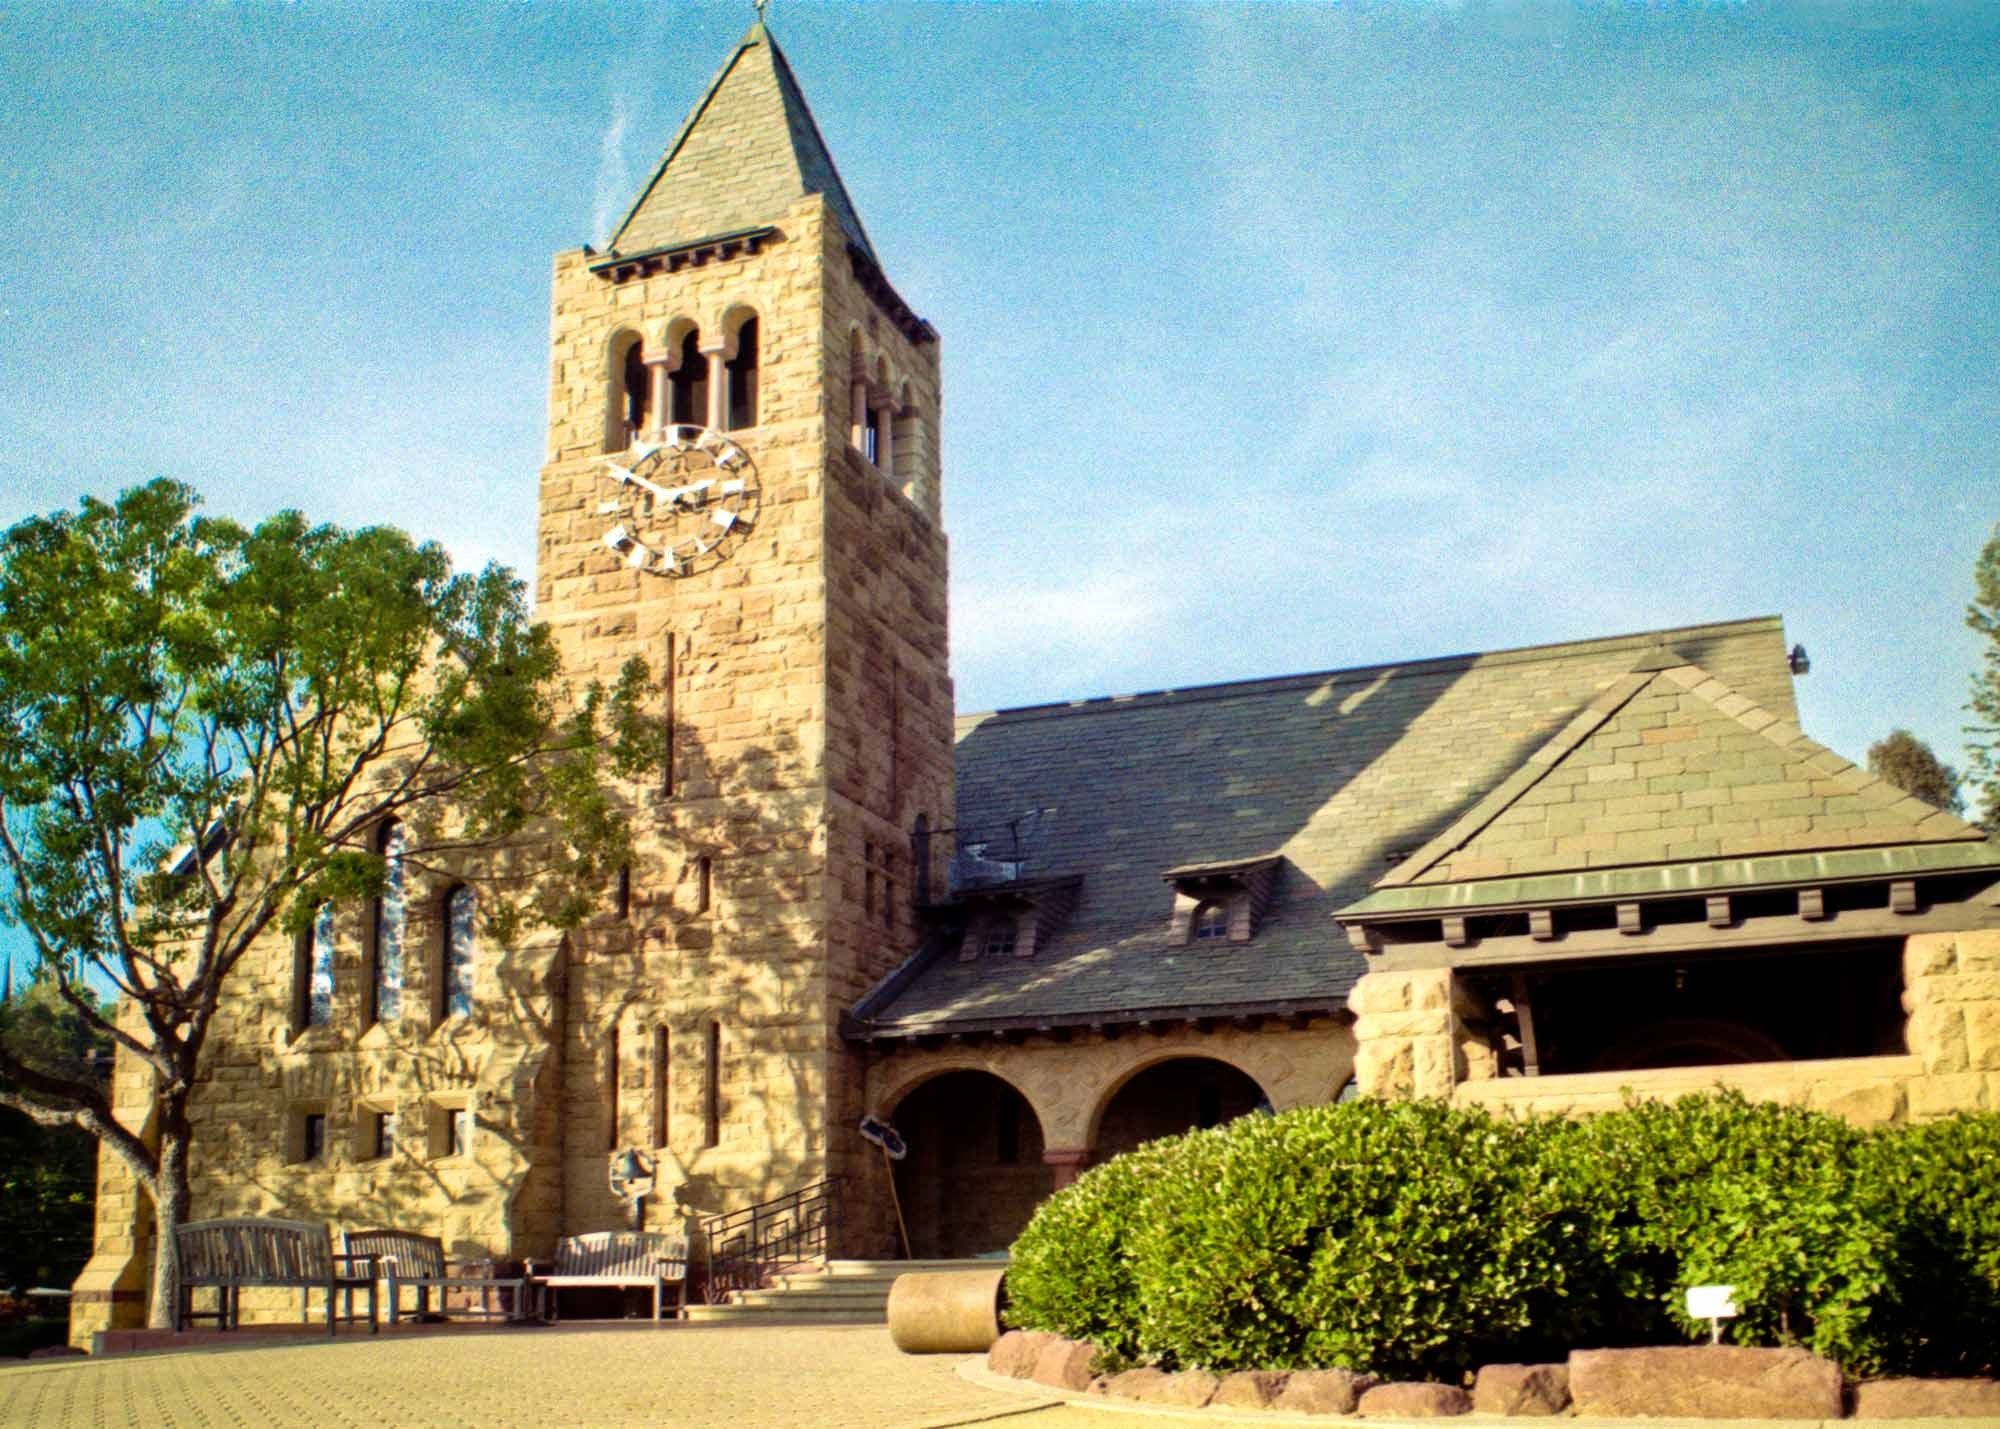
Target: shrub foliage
1419 1239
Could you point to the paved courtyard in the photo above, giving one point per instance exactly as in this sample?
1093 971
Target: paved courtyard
834 1377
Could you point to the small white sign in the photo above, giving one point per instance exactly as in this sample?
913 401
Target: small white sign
1712 1302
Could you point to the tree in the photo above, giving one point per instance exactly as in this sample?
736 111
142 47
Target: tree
1908 763
1983 615
202 729
45 1171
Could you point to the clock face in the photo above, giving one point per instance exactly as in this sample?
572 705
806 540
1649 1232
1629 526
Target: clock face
681 505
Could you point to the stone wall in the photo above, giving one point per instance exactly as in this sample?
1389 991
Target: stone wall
1069 1083
1413 1043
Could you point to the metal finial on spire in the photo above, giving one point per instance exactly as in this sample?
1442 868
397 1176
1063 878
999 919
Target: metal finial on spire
760 6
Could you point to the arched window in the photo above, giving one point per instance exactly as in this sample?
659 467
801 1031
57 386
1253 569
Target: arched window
871 434
742 371
1211 923
312 986
460 951
627 389
638 394
687 385
386 940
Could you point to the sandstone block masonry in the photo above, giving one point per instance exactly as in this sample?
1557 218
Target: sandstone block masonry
1414 1040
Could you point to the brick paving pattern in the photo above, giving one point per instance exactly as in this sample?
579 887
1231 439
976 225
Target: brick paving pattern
825 1377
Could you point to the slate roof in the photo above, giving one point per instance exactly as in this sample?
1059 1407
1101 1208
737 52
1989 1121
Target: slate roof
746 152
1334 772
1669 765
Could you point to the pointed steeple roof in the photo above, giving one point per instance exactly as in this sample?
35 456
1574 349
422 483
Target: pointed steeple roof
1670 765
746 152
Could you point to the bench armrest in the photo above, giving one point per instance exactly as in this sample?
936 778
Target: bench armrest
532 1266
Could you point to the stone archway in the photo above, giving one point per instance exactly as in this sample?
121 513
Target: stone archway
1171 1096
974 1173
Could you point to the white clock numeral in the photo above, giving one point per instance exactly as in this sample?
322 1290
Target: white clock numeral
733 487
617 538
724 518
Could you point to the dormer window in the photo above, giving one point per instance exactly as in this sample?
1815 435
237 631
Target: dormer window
1217 903
1010 921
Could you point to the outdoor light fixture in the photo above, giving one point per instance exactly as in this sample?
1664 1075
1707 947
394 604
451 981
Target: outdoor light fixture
1800 662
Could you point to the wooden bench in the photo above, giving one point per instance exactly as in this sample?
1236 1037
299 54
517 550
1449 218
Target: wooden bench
227 1255
407 1258
616 1258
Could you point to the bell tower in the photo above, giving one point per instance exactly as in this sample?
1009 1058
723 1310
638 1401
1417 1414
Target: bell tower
742 488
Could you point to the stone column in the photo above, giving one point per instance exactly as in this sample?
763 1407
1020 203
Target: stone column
885 449
1951 990
1068 1163
1405 1032
659 368
859 435
718 386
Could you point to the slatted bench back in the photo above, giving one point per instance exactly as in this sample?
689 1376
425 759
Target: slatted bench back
252 1251
417 1257
612 1255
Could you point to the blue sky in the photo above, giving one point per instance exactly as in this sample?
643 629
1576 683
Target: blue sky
1277 337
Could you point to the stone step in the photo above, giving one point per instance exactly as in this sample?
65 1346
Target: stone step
844 1292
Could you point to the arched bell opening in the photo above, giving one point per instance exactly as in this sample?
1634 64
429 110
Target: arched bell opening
974 1173
1171 1097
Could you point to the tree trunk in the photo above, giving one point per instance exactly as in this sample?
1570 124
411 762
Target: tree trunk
170 1208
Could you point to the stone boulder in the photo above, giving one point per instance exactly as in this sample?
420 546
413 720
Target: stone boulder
1415 1401
1188 1388
1015 1352
1250 1389
1704 1382
1064 1364
1928 1399
1322 1391
1521 1389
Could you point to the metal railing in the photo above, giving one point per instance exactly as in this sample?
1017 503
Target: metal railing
740 1248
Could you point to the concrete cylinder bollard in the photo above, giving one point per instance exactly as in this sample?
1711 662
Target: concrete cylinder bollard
953 1312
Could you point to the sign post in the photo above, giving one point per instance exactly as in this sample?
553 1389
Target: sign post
885 1136
1713 1303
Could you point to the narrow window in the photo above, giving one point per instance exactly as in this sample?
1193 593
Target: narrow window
888 902
871 435
1000 937
711 1098
313 1145
688 383
1211 923
460 951
458 1131
312 972
621 892
667 681
638 391
662 1085
386 952
742 370
704 883
611 1091
385 1135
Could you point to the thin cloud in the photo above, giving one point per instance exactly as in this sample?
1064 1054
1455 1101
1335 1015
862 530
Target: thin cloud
614 172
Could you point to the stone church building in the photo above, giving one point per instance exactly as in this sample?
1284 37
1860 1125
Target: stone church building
1529 879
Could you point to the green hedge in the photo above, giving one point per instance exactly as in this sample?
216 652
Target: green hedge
1413 1238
